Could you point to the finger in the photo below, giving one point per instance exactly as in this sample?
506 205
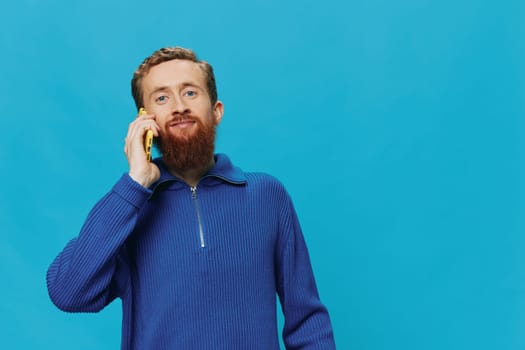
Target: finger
142 128
148 124
137 131
136 128
132 128
126 140
145 116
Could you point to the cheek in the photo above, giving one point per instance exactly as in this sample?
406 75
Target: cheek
161 122
161 113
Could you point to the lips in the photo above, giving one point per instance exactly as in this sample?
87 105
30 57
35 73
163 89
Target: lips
182 123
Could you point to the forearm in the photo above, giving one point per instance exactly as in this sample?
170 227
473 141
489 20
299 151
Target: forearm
80 278
309 329
307 323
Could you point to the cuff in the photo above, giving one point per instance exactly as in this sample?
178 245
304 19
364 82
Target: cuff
131 191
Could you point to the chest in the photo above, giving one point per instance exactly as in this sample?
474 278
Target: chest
224 231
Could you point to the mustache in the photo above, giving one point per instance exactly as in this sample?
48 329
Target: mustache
182 118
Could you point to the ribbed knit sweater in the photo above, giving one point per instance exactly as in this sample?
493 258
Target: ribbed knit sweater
196 268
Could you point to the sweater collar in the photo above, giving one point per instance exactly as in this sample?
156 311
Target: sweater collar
223 169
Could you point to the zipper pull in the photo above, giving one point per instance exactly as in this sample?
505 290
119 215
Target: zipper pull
193 192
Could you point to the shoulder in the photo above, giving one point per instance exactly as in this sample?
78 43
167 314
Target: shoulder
258 183
266 184
265 179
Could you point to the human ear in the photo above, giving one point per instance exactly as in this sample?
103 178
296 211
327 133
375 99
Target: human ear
218 111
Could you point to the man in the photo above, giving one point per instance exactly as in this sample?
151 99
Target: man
196 248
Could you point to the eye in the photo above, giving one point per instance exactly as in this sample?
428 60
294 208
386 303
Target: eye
190 93
161 99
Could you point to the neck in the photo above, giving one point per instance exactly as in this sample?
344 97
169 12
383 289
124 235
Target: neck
192 176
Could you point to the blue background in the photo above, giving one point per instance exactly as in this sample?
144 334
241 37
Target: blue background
397 127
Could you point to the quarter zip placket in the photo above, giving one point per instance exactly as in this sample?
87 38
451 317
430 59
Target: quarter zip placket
196 203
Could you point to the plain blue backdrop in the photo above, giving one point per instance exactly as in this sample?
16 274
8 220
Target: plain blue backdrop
397 127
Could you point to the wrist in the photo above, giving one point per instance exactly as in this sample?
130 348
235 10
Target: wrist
141 180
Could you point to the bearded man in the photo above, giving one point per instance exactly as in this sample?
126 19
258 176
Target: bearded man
196 249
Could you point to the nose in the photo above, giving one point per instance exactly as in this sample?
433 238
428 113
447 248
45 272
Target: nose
179 106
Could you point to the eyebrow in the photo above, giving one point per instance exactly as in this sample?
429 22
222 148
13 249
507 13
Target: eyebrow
182 85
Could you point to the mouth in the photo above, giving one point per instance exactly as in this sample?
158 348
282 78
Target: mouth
182 123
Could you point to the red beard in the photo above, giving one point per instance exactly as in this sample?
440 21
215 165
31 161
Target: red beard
188 152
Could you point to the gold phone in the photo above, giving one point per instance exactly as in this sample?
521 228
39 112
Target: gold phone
148 138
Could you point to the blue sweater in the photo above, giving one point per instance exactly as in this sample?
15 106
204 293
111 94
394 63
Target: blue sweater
196 268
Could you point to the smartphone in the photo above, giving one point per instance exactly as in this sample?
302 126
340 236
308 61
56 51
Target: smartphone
148 138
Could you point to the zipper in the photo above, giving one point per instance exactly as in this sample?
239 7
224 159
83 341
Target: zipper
194 196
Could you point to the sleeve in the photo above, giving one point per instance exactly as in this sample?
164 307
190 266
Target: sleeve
307 323
91 271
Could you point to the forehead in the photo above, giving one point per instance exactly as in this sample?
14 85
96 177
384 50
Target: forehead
174 73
